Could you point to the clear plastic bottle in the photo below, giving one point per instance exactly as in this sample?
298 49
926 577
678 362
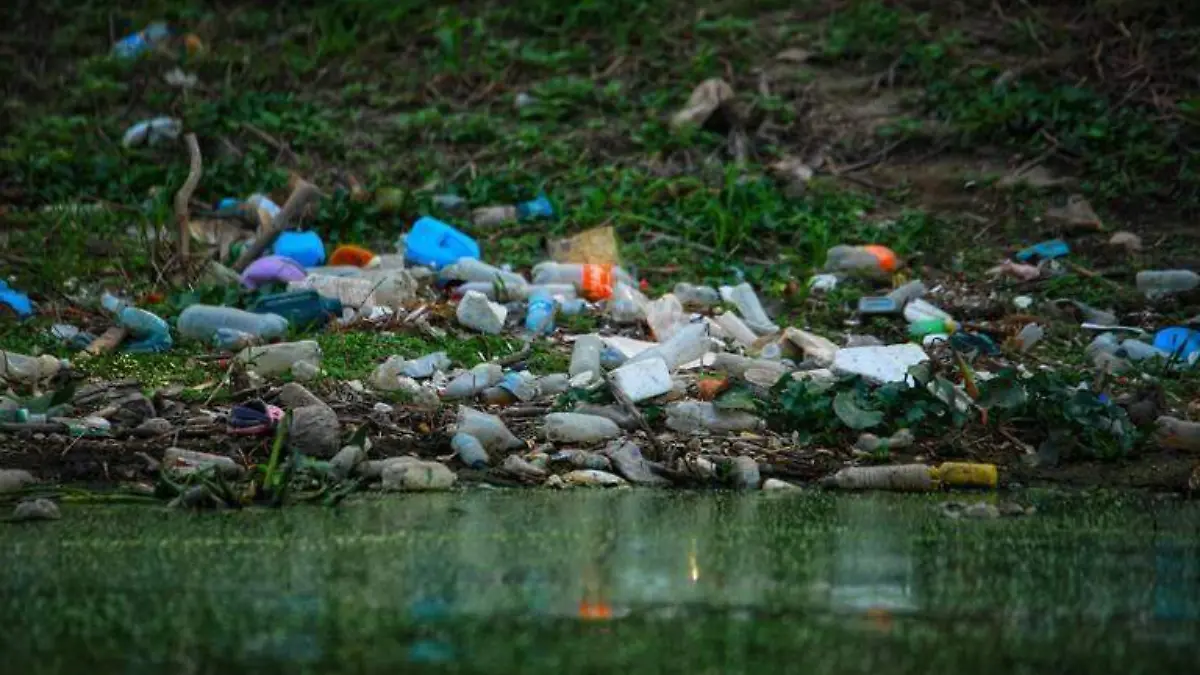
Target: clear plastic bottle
517 385
578 428
916 310
735 328
386 288
1160 283
471 269
746 300
898 477
1029 336
279 358
16 367
425 366
695 416
697 296
470 450
1136 350
489 429
738 366
688 344
473 381
908 292
627 305
585 356
478 313
595 282
665 317
201 322
151 334
869 261
554 384
539 316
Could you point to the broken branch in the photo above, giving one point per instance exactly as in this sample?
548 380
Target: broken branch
302 194
195 170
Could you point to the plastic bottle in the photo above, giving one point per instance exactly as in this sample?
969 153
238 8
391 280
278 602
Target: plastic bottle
1029 336
738 366
665 317
595 282
517 385
585 355
924 327
878 305
578 428
916 310
152 132
435 244
735 328
201 322
473 381
490 216
489 429
425 366
582 459
571 306
151 334
470 451
269 210
301 308
539 317
478 313
695 416
471 269
906 293
687 345
392 289
16 367
746 300
1136 350
628 304
966 474
279 358
1160 283
135 45
15 300
898 477
869 261
1180 342
1045 250
305 247
272 269
697 296
357 256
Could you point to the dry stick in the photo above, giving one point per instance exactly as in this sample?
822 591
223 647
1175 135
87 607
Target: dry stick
195 170
107 342
303 193
631 408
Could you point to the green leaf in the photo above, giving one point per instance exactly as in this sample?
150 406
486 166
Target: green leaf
1004 393
849 412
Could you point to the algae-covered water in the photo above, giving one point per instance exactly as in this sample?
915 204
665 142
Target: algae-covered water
632 581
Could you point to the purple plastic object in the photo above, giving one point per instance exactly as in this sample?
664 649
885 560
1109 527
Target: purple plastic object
273 268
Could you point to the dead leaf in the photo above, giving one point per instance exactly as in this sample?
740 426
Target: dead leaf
706 98
597 246
1078 214
219 233
1017 271
794 55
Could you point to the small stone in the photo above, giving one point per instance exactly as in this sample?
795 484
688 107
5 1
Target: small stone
133 410
744 473
314 430
293 395
418 476
382 409
776 484
981 510
1126 240
35 509
181 462
12 480
555 482
155 426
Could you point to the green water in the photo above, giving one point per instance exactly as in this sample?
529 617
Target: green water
635 581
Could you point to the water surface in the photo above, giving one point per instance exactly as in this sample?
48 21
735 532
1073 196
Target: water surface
635 580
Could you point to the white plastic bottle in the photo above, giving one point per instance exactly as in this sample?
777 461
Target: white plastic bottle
688 344
695 416
1159 283
579 428
473 381
489 429
627 304
201 322
473 269
595 282
278 358
665 317
748 305
735 328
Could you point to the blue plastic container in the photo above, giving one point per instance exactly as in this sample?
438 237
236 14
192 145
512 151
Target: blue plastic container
436 244
535 208
539 318
15 300
1046 250
1178 341
305 248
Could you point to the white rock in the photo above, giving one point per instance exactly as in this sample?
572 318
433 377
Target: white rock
641 380
879 364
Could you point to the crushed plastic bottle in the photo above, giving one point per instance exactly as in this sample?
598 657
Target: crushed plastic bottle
627 305
595 282
697 296
585 355
202 322
15 300
687 345
908 292
665 317
539 316
1029 336
272 269
422 367
489 429
578 428
302 309
470 451
472 270
734 327
869 261
15 367
151 334
152 132
898 477
279 358
1045 250
746 300
696 416
517 385
385 288
473 381
490 216
132 46
478 313
1161 283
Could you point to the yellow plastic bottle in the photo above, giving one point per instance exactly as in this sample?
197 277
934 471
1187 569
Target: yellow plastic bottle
967 474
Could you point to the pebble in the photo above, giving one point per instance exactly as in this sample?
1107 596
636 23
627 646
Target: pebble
181 462
744 473
315 431
155 426
776 484
12 480
35 509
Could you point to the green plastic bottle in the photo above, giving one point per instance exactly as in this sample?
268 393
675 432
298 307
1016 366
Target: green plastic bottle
919 329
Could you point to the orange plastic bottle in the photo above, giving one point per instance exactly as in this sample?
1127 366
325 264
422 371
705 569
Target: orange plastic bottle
356 256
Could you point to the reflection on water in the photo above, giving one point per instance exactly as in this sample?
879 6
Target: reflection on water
535 580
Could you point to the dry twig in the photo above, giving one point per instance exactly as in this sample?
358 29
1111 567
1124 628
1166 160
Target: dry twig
195 170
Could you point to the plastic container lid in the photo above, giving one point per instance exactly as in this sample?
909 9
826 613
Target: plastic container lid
436 244
1178 341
